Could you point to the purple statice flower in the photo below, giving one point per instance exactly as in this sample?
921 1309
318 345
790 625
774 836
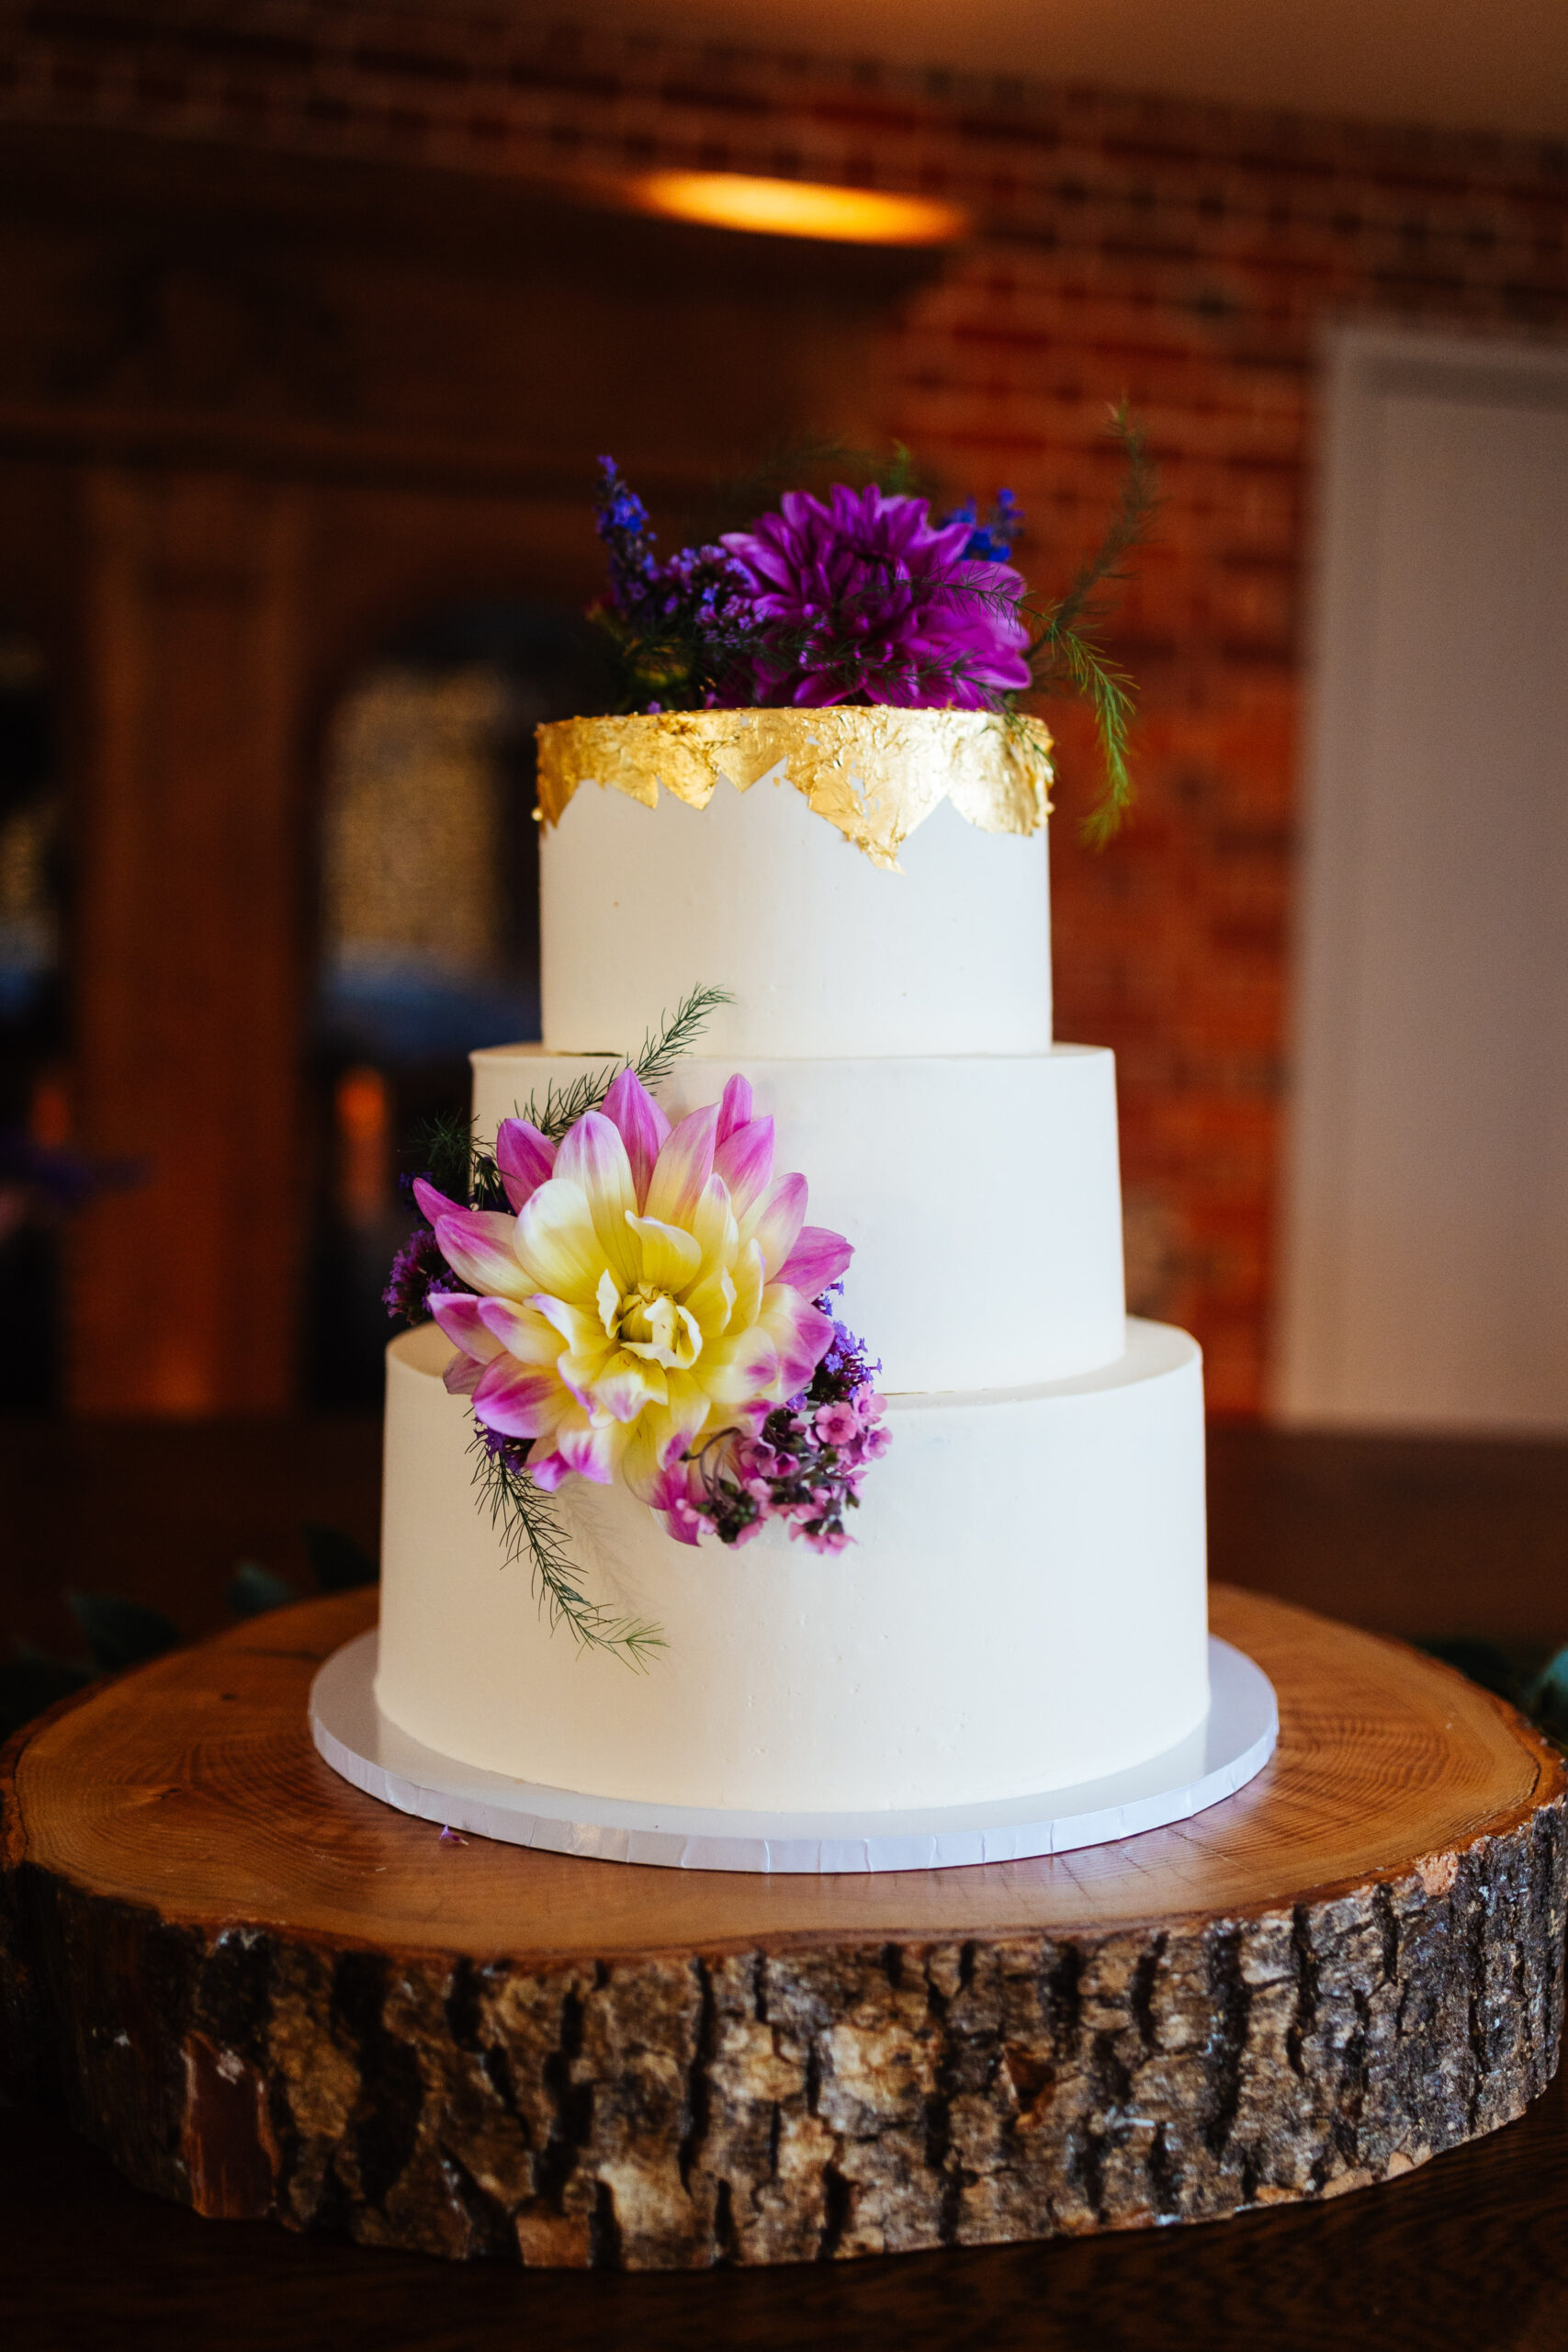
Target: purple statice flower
804 1465
863 597
418 1268
512 1452
704 591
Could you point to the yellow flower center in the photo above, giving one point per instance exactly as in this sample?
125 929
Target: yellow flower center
650 1323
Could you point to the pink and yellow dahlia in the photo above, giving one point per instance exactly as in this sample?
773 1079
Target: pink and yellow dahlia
652 1287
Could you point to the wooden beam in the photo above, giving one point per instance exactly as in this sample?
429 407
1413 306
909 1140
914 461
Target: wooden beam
185 1288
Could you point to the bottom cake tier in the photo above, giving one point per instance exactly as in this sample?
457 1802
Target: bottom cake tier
1024 1608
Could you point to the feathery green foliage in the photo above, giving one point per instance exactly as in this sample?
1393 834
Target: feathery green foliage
445 1153
1109 692
455 1164
1067 652
661 1049
683 651
529 1531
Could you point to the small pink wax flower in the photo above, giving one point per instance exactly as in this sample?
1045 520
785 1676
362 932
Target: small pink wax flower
806 1467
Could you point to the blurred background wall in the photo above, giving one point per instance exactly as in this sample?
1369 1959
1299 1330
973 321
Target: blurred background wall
316 317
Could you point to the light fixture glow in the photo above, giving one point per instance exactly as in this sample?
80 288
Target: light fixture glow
852 216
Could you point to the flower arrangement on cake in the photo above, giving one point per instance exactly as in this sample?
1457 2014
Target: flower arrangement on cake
862 597
629 1300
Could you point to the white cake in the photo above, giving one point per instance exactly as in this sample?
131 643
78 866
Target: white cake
1023 1606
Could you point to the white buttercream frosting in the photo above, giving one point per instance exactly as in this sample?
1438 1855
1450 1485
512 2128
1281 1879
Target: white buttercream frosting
824 954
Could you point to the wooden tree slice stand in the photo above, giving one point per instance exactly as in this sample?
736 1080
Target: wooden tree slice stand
265 1994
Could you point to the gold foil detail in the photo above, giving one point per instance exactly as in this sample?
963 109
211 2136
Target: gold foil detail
876 774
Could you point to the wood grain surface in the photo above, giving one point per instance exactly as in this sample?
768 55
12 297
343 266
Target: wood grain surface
265 1994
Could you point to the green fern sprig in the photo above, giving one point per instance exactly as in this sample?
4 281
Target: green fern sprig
1109 692
1065 650
661 1049
446 1154
1135 507
529 1531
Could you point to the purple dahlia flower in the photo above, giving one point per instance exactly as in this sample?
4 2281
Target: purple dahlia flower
865 596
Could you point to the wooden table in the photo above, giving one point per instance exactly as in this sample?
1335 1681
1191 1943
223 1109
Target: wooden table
1474 2245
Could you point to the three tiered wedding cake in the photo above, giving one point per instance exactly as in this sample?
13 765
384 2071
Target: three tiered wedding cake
1022 1605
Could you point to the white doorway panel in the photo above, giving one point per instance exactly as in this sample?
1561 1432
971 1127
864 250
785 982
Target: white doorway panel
1426 1261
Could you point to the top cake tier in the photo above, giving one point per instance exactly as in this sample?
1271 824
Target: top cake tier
826 953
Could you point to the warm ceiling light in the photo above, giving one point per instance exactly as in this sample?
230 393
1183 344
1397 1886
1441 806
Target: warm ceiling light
852 216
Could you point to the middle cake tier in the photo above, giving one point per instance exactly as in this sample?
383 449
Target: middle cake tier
982 1195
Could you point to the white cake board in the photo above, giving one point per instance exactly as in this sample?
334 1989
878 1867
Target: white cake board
357 1740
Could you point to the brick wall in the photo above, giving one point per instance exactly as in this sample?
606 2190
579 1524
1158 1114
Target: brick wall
1187 256
1192 258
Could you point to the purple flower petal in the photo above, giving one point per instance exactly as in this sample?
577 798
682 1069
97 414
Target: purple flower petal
461 1317
684 1167
516 1399
734 1110
776 1221
745 1160
818 1258
478 1244
434 1205
590 1452
643 1128
523 1332
864 595
801 1334
525 1156
593 1158
737 1369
